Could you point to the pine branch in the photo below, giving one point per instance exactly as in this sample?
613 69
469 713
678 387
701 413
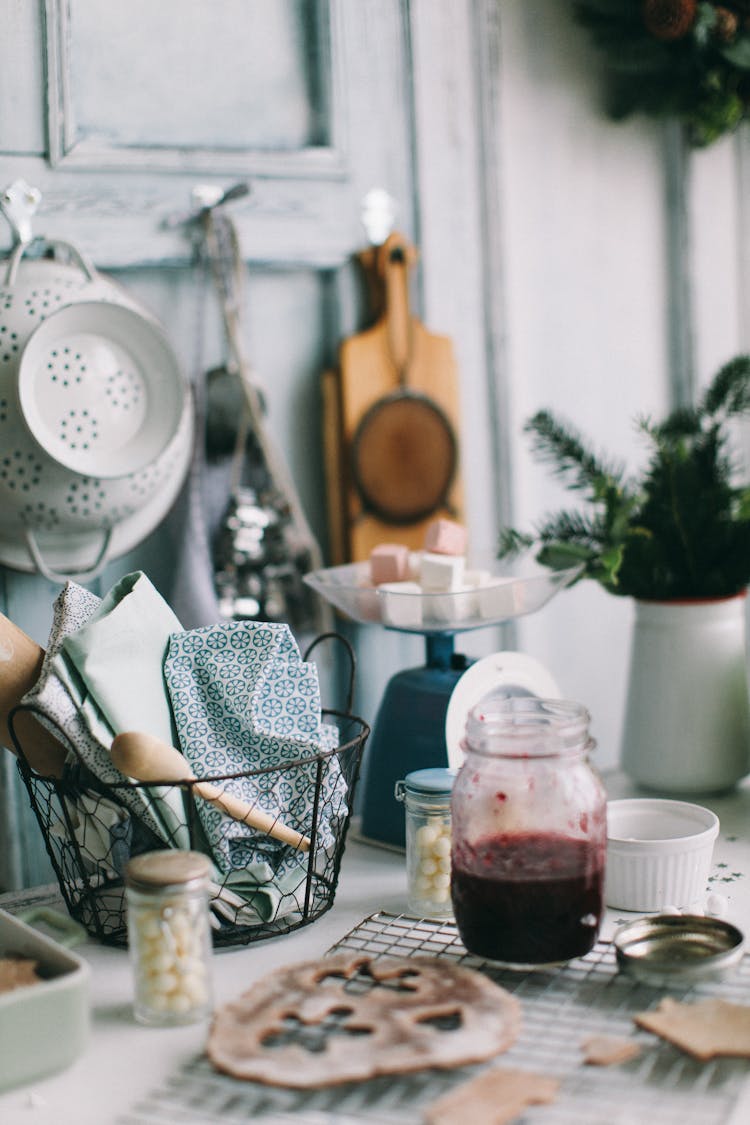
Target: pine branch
683 422
698 78
573 526
729 393
572 460
680 529
513 543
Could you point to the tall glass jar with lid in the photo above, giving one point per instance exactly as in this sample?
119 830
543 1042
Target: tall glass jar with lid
169 935
529 833
426 795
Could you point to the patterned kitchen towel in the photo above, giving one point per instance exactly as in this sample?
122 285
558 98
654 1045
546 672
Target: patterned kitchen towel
62 702
284 699
243 700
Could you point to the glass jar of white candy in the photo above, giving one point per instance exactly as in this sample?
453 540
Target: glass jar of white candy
169 936
426 795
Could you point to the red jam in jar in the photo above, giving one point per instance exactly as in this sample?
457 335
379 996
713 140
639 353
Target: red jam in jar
529 834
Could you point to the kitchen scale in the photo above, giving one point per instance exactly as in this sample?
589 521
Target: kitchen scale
409 731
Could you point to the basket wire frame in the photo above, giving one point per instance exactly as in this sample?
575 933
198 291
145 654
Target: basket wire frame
75 814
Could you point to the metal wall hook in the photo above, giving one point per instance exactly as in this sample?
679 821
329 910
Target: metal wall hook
206 197
19 202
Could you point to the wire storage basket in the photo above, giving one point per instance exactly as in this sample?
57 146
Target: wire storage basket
262 886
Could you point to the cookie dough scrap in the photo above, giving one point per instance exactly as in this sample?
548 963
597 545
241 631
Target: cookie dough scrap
609 1050
704 1030
16 972
494 1097
351 1017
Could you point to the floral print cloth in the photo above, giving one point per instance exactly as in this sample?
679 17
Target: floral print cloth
244 700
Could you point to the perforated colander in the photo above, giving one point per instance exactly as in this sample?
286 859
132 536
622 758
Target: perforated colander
99 389
73 498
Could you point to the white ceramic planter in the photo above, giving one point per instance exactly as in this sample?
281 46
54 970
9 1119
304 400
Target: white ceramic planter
687 719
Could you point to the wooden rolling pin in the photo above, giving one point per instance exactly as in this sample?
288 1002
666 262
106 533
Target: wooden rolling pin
20 665
144 757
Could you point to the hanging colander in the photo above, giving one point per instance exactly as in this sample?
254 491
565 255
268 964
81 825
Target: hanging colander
95 441
100 389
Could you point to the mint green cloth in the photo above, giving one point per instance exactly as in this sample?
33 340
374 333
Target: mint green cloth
112 667
119 654
255 895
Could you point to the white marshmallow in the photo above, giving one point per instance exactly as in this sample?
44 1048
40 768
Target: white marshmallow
496 598
441 609
441 573
402 604
415 561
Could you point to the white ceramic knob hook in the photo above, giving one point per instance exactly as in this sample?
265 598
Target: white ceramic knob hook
19 202
378 215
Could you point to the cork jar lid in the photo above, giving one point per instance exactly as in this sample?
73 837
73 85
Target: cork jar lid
153 871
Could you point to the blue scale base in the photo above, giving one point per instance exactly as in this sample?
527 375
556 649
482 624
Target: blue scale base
408 734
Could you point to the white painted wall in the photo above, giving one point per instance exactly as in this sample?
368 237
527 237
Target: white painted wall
585 227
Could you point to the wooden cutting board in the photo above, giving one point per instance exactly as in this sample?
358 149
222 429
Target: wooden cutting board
399 363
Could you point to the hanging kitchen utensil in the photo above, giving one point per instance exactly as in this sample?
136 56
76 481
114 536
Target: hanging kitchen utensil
66 510
225 405
404 450
398 417
100 389
264 545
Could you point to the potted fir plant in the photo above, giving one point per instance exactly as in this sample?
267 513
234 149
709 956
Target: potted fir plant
676 539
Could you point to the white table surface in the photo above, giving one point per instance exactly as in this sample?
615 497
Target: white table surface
124 1061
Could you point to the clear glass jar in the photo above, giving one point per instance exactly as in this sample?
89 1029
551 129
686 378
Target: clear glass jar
427 802
529 833
169 936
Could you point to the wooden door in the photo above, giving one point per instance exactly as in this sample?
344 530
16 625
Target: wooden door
116 112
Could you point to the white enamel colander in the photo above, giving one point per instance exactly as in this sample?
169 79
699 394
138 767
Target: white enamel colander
96 420
100 389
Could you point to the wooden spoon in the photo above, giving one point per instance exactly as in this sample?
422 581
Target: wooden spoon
146 758
20 665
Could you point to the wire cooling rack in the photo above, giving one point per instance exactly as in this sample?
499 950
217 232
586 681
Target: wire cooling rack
561 1008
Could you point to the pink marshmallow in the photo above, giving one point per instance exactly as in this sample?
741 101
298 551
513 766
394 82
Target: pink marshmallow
445 537
389 562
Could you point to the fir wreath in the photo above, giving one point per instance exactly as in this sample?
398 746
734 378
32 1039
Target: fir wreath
680 530
688 59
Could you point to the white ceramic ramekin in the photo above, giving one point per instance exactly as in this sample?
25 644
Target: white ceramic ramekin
658 853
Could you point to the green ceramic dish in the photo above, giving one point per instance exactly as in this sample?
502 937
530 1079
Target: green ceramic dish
44 1026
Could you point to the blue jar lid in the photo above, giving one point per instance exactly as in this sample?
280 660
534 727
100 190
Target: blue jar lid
435 780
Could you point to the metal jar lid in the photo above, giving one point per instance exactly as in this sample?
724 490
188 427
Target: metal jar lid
430 783
678 947
154 872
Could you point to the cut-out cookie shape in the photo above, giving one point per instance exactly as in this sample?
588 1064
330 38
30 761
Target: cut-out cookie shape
496 1096
351 1017
609 1050
704 1030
